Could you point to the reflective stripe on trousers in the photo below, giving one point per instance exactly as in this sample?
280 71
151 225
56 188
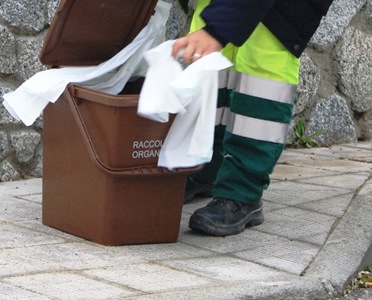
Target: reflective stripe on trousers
256 121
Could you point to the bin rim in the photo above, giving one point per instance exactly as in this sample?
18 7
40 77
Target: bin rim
121 100
145 170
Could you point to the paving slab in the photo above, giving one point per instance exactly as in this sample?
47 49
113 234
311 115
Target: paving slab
316 236
11 292
69 286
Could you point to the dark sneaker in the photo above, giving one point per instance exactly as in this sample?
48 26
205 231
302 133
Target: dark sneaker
195 188
222 217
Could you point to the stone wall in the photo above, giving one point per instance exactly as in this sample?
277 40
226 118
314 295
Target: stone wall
334 95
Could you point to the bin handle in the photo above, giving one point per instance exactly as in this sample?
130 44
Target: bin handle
137 171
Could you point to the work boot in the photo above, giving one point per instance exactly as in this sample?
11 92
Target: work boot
222 217
195 188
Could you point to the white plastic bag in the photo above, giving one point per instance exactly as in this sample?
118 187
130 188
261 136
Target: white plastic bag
157 99
189 93
28 101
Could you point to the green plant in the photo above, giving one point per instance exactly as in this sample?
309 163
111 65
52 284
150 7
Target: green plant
300 139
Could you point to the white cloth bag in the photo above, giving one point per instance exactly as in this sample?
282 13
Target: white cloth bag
192 95
29 100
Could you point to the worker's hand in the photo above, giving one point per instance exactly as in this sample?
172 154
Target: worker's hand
195 45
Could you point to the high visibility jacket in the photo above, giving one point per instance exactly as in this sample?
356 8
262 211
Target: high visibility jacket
293 22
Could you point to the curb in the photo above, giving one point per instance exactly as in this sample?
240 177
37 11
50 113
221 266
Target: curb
349 246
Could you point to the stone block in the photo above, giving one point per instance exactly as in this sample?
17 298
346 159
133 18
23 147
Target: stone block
8 172
353 56
27 15
5 117
25 143
4 145
333 25
309 84
28 57
332 116
8 51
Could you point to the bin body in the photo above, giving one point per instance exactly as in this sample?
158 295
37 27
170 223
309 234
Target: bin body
110 201
100 179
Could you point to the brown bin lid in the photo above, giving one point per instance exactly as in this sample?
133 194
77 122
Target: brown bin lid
90 32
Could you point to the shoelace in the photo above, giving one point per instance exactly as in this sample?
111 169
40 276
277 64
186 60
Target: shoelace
224 202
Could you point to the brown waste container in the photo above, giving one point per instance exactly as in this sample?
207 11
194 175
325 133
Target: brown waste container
100 179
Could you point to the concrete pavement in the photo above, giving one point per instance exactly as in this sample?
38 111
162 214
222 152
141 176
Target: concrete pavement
316 235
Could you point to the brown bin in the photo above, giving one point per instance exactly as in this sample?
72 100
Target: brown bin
100 179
